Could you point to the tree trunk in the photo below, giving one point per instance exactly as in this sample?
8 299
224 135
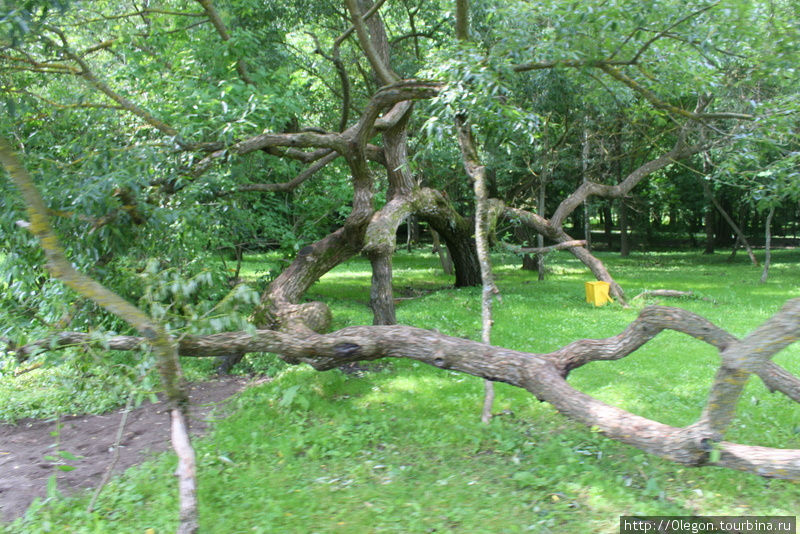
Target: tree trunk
464 256
279 303
381 298
412 232
608 225
708 223
444 254
739 234
543 375
624 241
543 226
767 242
540 209
477 172
457 235
524 236
587 223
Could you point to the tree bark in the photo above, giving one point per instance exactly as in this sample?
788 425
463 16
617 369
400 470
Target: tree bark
608 226
541 206
279 306
381 299
624 238
456 231
557 234
524 235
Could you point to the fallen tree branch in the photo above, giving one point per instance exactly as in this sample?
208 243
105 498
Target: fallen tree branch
671 293
542 374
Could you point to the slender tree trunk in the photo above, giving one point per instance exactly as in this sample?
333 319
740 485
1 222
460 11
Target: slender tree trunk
524 235
708 223
477 171
739 234
608 225
587 223
624 240
734 249
540 208
441 250
767 243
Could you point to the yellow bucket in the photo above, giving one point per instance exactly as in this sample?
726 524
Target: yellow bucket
597 293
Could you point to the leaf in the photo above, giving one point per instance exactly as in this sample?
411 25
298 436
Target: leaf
68 455
66 467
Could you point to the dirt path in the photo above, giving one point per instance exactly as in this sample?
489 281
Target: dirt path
24 471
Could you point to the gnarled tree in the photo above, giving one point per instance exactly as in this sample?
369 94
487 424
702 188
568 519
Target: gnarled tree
199 127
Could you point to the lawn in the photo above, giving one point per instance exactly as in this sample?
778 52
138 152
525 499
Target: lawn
400 448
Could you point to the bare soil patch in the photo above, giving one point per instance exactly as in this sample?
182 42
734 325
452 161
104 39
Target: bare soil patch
24 471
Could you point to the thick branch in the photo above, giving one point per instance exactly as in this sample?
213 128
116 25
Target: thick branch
587 189
541 374
285 186
571 63
382 70
556 233
271 142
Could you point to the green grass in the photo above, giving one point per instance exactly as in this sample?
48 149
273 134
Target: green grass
401 449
